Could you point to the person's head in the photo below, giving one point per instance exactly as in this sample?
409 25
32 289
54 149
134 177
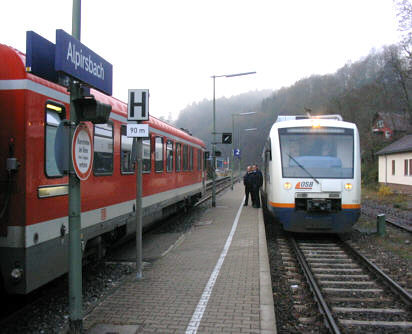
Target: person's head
249 168
254 167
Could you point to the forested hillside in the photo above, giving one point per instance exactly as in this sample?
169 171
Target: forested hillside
381 82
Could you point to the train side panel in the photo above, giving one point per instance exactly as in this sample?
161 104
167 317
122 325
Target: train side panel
34 226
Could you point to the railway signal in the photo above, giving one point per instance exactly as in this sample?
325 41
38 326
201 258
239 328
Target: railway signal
226 138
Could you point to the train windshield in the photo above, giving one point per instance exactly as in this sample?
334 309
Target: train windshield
317 152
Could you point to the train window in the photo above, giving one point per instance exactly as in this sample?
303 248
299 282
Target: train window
103 149
126 143
185 156
178 157
191 158
199 160
147 162
325 153
169 156
55 112
159 165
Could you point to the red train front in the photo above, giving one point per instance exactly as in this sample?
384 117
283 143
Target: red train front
33 198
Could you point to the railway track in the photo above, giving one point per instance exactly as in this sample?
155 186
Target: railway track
352 294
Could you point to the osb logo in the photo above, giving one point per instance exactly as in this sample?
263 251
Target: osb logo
304 185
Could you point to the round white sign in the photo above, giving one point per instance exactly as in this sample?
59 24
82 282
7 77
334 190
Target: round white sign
82 151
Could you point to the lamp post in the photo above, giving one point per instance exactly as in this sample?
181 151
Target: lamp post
232 162
214 130
250 129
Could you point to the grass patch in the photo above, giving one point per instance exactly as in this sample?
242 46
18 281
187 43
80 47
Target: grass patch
395 241
384 195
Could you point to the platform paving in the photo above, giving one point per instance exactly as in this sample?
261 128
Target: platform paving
217 280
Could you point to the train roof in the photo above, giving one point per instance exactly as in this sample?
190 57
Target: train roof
306 121
13 68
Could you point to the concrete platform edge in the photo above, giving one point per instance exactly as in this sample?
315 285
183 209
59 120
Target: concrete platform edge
267 310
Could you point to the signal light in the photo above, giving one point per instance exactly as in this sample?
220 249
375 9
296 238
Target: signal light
89 109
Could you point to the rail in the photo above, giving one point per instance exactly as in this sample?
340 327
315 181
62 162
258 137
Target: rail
324 308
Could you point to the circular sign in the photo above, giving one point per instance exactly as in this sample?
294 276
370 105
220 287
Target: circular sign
82 151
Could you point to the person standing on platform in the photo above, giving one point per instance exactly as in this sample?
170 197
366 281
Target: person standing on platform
247 181
257 183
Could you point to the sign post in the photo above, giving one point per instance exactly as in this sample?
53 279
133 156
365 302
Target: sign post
138 110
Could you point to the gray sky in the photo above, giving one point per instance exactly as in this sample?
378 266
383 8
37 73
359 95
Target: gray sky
173 47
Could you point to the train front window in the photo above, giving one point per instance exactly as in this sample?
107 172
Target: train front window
320 152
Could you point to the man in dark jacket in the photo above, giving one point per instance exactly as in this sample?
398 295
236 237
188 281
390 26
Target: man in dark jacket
247 181
257 182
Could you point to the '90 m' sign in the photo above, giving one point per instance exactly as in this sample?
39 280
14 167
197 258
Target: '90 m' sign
137 130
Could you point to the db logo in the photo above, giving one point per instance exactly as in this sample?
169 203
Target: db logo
304 185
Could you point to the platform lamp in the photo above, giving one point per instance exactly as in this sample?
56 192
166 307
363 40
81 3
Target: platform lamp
232 163
214 130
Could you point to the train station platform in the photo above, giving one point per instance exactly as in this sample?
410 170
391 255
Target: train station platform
217 280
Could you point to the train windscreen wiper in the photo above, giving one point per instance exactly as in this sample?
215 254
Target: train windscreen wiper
303 168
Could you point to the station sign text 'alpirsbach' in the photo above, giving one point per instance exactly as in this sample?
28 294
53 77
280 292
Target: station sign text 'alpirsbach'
78 61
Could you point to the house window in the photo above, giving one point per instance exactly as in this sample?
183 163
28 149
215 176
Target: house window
406 167
393 167
379 123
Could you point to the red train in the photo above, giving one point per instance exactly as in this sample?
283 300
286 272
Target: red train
33 197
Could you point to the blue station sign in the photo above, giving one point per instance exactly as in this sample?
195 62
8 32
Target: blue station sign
78 61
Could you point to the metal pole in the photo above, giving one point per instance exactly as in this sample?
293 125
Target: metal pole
139 211
381 228
232 156
214 147
240 155
75 250
76 19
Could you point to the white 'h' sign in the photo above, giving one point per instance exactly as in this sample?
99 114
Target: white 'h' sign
138 105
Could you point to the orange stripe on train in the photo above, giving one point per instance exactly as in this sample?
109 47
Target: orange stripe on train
282 205
292 205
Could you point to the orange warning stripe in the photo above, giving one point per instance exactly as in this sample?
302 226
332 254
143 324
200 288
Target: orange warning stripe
292 205
282 205
351 206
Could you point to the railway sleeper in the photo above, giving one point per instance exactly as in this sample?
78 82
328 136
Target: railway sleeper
374 324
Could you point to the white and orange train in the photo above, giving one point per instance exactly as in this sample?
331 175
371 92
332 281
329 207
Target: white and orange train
34 194
313 174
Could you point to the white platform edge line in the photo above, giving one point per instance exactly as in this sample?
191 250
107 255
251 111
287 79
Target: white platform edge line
207 292
267 309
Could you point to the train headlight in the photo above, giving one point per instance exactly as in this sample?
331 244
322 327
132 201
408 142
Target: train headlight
287 185
16 274
315 124
348 186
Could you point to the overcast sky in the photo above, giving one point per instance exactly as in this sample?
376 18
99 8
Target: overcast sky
173 47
